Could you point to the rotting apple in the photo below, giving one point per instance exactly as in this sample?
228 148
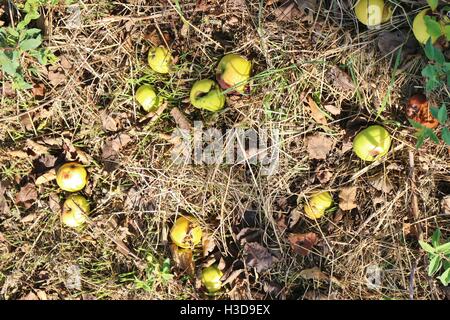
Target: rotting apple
372 143
160 59
418 110
317 204
186 232
75 211
211 278
372 12
146 96
71 176
206 94
420 28
234 71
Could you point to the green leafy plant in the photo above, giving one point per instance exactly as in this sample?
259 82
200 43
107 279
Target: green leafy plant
437 73
155 273
439 257
19 43
434 27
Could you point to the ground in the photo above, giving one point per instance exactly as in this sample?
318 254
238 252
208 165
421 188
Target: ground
82 109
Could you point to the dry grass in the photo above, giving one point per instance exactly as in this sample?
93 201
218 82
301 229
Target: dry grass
136 204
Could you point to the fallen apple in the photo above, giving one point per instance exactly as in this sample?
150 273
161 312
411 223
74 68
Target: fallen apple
75 211
233 71
147 98
418 110
211 278
420 27
372 12
71 176
206 94
160 59
186 232
317 205
372 143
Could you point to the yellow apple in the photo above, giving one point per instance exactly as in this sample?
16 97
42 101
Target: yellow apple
147 98
75 211
420 28
206 94
372 143
71 177
186 232
160 59
317 204
233 71
372 12
211 278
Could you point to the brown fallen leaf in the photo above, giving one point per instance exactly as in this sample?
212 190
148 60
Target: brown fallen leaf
258 257
445 204
65 63
183 259
302 243
381 182
111 150
347 198
314 274
28 218
334 110
318 146
287 12
30 296
27 195
38 90
46 177
37 148
247 235
316 113
208 244
56 76
54 203
109 123
340 79
27 121
180 119
324 175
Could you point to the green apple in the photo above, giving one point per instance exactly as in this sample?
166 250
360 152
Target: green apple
160 59
146 96
206 94
233 71
420 27
211 278
75 211
372 12
71 177
372 143
317 204
186 232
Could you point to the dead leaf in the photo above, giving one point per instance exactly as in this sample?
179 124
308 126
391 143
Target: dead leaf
27 195
302 243
41 295
28 218
54 203
323 175
38 90
334 110
247 235
347 198
111 150
109 123
56 76
314 274
391 41
30 296
233 276
65 63
318 146
445 204
27 122
208 244
316 113
258 257
37 148
183 259
287 12
340 79
294 217
46 177
180 119
381 182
